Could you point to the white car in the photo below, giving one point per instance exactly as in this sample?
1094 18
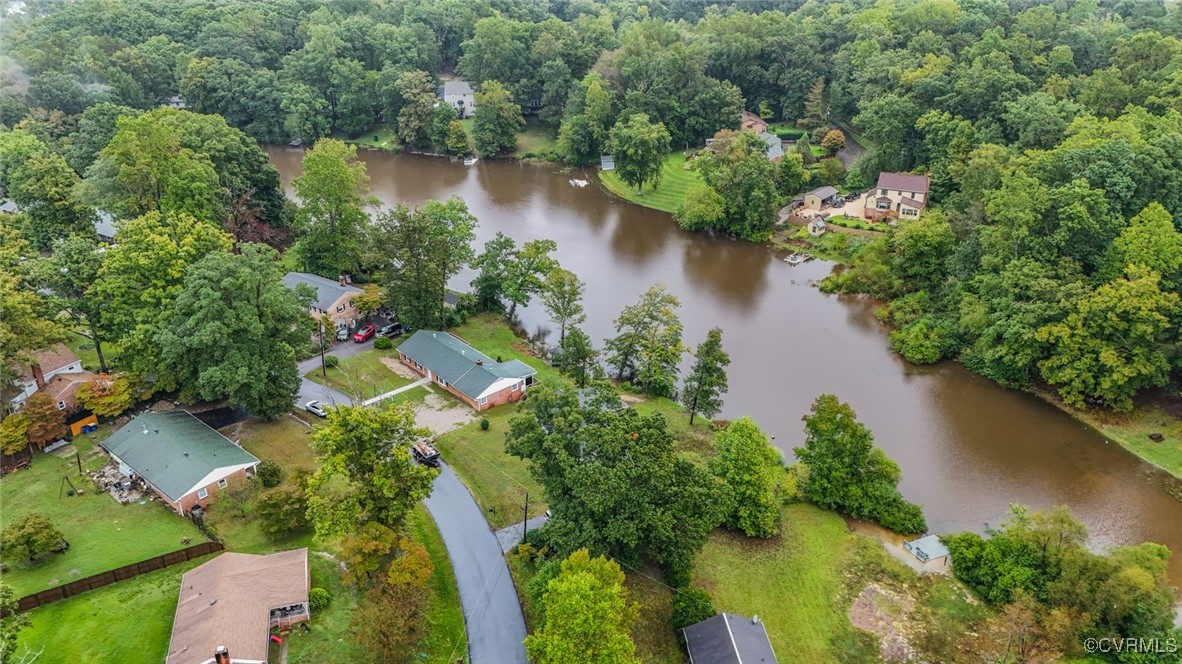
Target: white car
316 409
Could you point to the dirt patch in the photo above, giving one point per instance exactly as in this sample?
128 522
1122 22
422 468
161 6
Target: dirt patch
440 415
631 399
399 368
883 612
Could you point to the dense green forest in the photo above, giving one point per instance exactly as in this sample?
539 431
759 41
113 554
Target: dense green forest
1052 133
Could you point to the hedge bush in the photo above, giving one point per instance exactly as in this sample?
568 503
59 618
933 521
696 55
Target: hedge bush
318 598
269 473
383 343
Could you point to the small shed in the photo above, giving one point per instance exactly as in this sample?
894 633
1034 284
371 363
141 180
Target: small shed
607 162
729 639
820 197
927 548
817 228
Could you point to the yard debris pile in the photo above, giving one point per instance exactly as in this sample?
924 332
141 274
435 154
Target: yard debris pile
120 486
883 612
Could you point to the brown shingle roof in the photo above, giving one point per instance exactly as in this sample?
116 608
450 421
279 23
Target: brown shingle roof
64 386
904 182
51 358
227 602
912 202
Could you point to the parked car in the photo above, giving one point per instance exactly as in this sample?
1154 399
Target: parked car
364 333
343 334
392 330
315 408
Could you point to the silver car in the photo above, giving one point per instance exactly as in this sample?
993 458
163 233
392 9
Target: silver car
316 409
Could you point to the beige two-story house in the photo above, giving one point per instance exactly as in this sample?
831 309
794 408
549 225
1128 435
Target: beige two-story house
334 299
897 196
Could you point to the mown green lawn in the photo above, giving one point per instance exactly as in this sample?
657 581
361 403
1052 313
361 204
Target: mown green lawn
489 334
363 375
102 533
329 640
447 638
676 181
128 621
1131 430
535 138
84 348
381 137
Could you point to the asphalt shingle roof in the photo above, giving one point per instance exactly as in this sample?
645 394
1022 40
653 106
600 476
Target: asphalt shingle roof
174 450
904 182
462 366
728 639
327 290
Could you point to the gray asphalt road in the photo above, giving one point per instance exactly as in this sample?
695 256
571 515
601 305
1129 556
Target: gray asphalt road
509 536
326 395
496 628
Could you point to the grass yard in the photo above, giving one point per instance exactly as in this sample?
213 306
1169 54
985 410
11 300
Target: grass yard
363 375
497 480
84 348
446 639
676 180
859 224
129 621
793 582
329 640
102 533
491 335
698 438
535 139
381 137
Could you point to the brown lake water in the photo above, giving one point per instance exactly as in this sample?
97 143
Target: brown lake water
967 447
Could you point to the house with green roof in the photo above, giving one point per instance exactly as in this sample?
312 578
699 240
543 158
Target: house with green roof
475 378
180 458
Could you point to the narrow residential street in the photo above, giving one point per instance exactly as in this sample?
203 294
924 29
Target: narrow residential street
492 612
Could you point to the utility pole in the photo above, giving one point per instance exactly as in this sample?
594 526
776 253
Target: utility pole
323 369
525 521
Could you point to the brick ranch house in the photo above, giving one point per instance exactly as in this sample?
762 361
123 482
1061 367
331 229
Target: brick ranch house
474 377
229 605
180 458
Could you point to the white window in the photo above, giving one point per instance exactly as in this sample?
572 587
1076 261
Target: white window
482 401
202 494
340 308
61 405
516 386
222 483
882 192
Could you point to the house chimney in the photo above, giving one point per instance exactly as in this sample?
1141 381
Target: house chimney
38 375
221 655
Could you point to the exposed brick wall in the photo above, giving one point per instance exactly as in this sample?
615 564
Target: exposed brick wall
189 501
506 395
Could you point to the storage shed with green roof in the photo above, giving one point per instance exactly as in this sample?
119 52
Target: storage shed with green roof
475 378
179 457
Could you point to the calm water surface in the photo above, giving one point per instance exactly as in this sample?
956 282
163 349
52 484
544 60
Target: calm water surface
967 448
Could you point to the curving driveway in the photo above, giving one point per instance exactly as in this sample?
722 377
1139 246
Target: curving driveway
492 612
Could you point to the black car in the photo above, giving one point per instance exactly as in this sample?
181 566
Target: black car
391 330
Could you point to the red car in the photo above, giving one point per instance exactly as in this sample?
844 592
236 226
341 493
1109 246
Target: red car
364 333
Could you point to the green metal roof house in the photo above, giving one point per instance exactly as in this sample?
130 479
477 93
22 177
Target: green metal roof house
474 377
179 457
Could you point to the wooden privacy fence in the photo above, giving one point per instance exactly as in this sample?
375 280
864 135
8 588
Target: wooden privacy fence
118 574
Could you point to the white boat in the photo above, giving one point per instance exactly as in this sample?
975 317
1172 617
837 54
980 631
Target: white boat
470 161
797 259
575 182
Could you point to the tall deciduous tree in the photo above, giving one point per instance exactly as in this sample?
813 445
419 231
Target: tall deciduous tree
751 470
106 395
491 265
562 295
69 274
23 325
737 167
1114 343
704 387
415 116
584 132
639 148
234 331
497 120
420 250
791 177
42 183
614 482
587 615
847 472
578 357
141 277
647 347
366 472
12 621
524 273
46 422
334 192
